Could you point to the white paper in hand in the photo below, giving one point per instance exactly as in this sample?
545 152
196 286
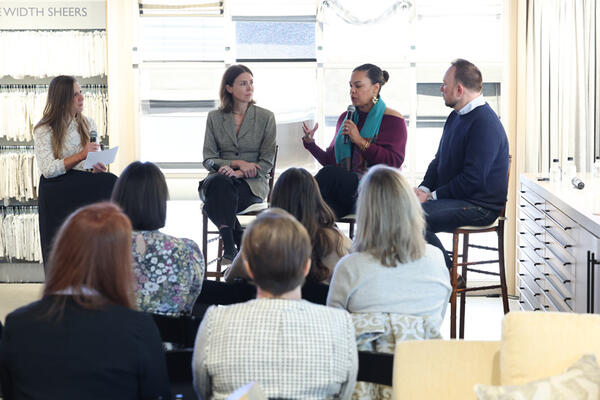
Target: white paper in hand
105 157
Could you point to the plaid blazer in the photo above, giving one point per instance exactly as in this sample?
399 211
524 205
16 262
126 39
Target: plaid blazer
294 349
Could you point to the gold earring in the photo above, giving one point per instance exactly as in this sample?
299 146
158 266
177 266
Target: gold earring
375 99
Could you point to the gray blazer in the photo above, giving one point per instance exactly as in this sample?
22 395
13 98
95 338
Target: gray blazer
255 142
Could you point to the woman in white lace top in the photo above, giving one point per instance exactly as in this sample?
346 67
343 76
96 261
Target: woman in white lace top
62 137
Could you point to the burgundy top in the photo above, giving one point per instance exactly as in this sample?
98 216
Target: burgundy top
387 147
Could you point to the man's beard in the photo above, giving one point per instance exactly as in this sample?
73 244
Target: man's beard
449 104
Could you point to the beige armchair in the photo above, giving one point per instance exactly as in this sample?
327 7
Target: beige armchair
534 345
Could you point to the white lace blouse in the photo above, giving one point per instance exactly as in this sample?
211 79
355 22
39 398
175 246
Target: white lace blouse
48 165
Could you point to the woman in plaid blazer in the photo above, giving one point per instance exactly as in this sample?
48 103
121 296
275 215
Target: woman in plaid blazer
292 348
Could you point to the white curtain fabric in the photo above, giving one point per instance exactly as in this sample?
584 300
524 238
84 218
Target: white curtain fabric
49 53
19 175
21 108
19 235
561 80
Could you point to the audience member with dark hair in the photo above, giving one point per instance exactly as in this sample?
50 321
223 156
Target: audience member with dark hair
391 268
297 192
83 340
292 348
375 134
169 271
239 143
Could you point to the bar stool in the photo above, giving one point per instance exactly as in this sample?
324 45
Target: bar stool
498 227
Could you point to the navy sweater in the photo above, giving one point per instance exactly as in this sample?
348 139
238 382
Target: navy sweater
471 163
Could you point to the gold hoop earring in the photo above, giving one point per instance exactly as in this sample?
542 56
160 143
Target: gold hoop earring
375 99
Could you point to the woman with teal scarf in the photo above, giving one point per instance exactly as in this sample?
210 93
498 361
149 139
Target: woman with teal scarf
375 134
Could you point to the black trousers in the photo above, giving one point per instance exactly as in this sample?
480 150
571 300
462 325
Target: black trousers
338 187
225 197
60 196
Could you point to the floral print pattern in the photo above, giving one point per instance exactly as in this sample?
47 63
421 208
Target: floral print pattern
169 272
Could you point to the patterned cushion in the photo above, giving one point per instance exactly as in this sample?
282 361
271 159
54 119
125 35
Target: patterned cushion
581 381
379 332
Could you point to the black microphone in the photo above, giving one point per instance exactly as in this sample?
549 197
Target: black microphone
216 167
578 183
349 115
213 165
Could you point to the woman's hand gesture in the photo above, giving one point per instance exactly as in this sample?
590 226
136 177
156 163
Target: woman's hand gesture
309 134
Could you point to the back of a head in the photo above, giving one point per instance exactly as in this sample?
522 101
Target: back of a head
276 247
389 218
141 191
92 253
297 192
467 74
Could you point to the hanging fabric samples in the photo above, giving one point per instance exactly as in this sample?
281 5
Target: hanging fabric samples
50 53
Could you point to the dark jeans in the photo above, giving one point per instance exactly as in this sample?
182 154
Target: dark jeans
338 188
445 215
225 197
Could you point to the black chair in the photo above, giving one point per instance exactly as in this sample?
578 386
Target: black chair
179 368
315 292
349 219
180 331
375 367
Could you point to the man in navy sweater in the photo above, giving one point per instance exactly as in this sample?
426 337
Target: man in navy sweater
466 183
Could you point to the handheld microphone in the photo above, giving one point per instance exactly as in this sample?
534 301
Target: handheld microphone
213 165
93 137
216 167
349 115
578 183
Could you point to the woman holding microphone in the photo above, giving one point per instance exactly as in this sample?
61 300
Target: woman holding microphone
368 133
62 140
62 137
239 147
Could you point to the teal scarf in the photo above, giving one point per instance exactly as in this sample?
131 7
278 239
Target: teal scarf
369 130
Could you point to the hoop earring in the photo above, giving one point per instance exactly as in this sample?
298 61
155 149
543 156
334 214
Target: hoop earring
375 99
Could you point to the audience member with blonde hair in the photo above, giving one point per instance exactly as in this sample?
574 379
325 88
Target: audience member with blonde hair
391 268
83 339
292 348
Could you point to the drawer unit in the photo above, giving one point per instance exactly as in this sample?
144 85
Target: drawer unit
556 251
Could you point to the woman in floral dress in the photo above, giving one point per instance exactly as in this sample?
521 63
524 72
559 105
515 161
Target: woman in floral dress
169 270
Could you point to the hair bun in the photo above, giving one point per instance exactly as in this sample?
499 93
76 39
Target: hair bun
386 76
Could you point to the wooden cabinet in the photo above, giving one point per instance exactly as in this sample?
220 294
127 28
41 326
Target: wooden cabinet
558 246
